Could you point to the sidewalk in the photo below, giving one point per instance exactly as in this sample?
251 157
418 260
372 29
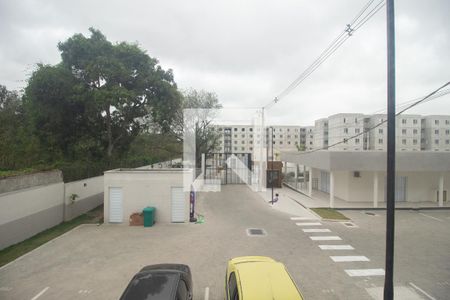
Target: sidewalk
286 203
321 199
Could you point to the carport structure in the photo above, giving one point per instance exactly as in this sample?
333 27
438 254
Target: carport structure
359 176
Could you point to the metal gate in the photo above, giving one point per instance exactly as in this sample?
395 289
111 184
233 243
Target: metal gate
230 168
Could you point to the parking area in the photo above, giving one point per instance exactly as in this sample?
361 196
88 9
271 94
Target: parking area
97 262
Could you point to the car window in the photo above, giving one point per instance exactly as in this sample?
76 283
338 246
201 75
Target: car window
232 287
182 291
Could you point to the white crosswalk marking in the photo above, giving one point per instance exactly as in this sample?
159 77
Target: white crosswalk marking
325 238
316 230
349 258
302 218
309 224
336 247
365 272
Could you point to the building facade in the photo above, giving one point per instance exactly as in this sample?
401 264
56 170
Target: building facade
435 133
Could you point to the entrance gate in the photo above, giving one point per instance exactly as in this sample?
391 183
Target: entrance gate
230 168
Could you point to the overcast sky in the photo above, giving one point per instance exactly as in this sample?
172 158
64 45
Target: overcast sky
249 51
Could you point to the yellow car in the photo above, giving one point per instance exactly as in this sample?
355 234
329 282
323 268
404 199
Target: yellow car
259 278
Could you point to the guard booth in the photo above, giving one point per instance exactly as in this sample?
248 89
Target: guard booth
274 175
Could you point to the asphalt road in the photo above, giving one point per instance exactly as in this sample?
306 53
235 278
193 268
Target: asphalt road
96 262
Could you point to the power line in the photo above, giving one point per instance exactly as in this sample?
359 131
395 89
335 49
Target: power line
423 100
335 44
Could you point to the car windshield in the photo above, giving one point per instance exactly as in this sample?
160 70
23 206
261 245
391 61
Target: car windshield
153 286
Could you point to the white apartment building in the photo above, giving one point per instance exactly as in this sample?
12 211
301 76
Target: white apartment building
408 132
246 138
341 127
435 133
320 139
308 140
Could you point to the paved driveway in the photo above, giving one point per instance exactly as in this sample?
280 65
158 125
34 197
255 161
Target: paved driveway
96 262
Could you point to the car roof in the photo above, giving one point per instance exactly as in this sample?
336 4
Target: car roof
265 279
154 285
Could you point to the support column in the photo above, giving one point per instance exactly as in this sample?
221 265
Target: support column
375 189
441 190
331 189
203 166
310 181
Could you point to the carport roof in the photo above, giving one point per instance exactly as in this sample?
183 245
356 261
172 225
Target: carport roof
413 161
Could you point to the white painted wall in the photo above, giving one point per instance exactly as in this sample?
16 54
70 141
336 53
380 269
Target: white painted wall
145 188
19 204
83 188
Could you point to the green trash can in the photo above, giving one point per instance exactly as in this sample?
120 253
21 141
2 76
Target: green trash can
149 216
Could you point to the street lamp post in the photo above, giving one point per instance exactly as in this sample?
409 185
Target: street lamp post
271 170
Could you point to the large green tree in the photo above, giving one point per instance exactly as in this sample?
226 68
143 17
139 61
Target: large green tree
96 99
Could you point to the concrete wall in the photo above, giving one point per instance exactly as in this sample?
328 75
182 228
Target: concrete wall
15 183
90 195
27 212
142 188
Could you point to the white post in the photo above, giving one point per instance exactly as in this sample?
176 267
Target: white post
331 189
375 189
310 181
261 143
203 166
441 190
295 175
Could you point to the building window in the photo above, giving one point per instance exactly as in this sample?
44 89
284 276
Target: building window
251 135
243 129
345 130
414 142
288 129
403 121
380 141
289 143
288 136
436 131
273 142
243 135
447 142
415 131
220 129
251 142
243 142
404 142
356 141
356 130
243 148
235 142
281 136
447 122
447 132
436 142
403 131
235 129
356 120
415 121
380 130
235 148
344 120
251 148
251 129
436 122
281 142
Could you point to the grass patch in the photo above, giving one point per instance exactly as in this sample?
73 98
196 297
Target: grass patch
14 251
329 213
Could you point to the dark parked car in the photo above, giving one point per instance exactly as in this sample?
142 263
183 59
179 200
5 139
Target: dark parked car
160 282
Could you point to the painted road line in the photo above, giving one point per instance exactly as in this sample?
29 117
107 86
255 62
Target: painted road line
422 291
349 258
40 293
336 247
206 293
302 218
325 238
316 230
309 224
431 217
365 272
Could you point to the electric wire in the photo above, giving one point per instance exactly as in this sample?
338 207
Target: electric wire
334 45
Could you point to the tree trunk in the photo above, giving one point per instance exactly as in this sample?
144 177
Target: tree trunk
109 132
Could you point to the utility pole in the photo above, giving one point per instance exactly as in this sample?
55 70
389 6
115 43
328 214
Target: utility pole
390 170
271 169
